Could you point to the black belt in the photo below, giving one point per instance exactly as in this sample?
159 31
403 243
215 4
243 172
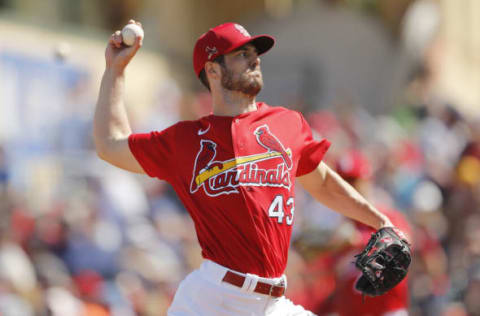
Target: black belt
262 287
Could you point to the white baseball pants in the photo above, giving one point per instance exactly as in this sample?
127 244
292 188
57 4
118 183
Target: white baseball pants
202 293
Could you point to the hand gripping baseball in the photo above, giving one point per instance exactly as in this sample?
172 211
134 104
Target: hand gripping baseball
117 54
384 262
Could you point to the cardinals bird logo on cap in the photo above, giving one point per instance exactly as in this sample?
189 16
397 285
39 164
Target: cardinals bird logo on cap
211 51
242 30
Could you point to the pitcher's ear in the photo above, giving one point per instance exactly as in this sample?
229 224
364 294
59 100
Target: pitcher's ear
210 68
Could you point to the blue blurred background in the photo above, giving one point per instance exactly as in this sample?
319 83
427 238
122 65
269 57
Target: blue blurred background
397 80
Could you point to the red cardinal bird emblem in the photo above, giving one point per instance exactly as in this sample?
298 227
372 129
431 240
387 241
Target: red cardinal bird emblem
211 51
225 176
205 156
270 142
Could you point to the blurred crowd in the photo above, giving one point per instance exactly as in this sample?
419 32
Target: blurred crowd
422 161
78 237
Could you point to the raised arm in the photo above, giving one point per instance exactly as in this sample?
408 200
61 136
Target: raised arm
327 187
110 125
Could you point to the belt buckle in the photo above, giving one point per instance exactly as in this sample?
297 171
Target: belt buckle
271 290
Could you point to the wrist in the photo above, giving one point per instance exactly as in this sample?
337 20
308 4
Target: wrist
385 222
114 72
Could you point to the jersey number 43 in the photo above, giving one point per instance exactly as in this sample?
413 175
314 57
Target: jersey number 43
277 208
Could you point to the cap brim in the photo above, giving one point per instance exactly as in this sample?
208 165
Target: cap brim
263 43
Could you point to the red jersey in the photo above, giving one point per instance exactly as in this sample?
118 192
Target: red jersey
236 177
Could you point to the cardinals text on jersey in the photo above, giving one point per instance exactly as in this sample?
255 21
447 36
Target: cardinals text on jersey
223 177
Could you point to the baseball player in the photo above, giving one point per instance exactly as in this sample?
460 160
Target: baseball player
234 171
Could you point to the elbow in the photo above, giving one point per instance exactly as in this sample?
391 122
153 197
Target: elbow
100 147
331 186
110 148
101 154
99 141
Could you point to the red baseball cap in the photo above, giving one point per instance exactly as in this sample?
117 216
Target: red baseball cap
224 39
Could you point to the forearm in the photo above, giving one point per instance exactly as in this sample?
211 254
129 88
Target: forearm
330 189
110 121
340 196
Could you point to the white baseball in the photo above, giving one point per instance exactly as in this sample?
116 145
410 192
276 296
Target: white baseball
130 32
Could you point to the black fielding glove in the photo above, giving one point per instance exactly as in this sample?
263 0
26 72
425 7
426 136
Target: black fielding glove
384 261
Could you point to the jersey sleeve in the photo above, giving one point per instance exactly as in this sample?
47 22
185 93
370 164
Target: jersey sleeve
312 151
154 151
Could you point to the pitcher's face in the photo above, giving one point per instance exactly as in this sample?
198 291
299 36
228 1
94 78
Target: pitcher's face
241 71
